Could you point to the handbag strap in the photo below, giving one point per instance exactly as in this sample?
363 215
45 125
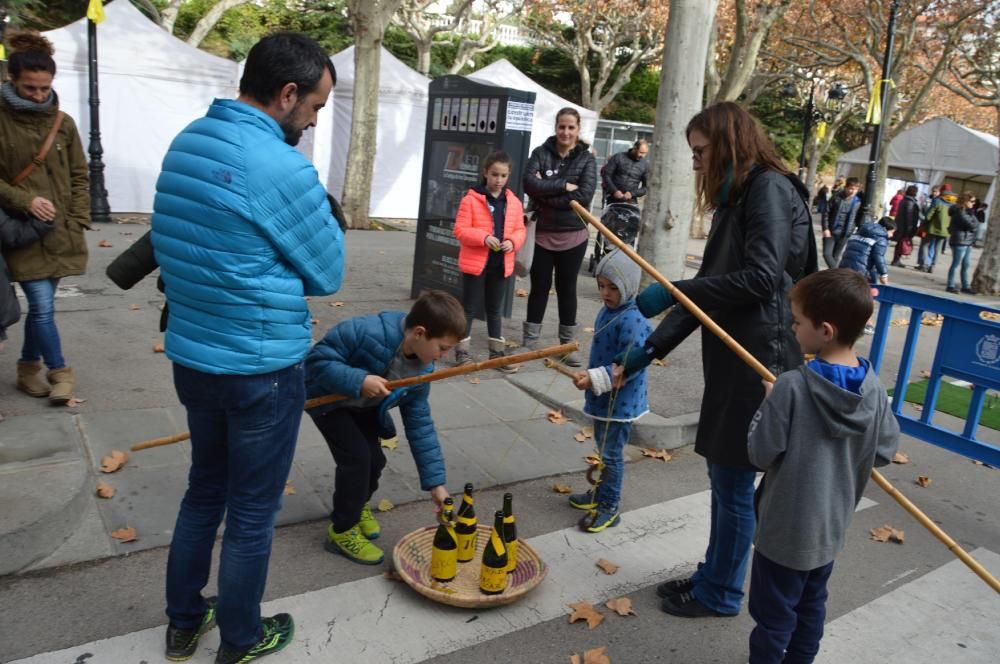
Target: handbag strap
44 152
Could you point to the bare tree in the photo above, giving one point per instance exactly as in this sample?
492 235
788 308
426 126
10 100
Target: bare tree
744 35
168 15
666 217
974 73
478 32
425 27
369 19
614 36
211 17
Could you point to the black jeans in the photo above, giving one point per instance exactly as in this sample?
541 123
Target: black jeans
567 268
833 249
488 288
352 436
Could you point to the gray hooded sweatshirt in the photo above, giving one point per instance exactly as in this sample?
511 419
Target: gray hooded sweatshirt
817 444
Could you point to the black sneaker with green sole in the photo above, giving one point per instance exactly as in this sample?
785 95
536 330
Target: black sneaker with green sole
278 632
181 643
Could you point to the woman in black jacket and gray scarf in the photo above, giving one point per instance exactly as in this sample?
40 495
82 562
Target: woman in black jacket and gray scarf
560 170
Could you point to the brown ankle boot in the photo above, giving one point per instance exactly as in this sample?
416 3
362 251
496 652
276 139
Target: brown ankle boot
498 349
30 379
62 386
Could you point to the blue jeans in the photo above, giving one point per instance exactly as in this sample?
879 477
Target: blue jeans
41 338
615 436
960 255
243 432
718 582
789 607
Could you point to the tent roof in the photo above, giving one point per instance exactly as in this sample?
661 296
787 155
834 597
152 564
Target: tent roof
131 44
939 144
396 79
504 74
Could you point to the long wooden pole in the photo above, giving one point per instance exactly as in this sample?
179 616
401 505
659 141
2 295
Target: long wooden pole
734 345
520 358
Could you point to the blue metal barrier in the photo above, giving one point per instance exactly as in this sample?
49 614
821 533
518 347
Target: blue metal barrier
968 348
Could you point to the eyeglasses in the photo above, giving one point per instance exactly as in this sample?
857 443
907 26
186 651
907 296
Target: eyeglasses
698 151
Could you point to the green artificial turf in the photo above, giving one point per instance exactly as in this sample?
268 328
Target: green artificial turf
954 401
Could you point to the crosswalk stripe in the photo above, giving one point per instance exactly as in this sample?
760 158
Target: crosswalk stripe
947 616
377 620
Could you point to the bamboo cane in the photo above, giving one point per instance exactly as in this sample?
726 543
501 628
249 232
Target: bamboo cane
495 363
560 368
755 364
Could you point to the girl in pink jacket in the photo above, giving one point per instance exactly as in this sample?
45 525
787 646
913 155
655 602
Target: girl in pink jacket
489 227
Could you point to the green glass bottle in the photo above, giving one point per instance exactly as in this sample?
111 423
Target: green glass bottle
444 552
509 532
493 571
465 527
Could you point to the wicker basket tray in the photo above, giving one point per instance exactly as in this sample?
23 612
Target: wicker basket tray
412 557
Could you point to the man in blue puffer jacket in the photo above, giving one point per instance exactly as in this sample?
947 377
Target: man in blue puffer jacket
242 232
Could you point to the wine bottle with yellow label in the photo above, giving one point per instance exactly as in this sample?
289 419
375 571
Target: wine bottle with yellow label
509 532
465 527
444 554
493 571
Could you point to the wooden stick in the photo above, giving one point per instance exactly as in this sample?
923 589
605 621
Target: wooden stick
560 368
768 376
496 362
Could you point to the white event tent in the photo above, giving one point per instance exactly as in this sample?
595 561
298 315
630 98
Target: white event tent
502 73
151 86
399 148
935 152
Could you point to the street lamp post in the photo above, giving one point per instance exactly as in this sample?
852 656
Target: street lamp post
881 90
811 112
100 211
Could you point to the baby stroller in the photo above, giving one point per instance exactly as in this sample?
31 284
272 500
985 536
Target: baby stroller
622 219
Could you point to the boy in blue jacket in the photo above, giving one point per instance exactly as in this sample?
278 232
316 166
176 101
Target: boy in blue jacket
865 252
619 326
357 357
816 436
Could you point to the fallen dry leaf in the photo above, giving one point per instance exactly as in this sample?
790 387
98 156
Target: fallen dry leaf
656 454
158 347
584 433
392 575
561 488
588 329
557 417
592 656
978 462
114 461
474 380
585 611
521 292
104 490
607 566
125 535
104 243
923 481
336 304
620 605
660 363
932 320
134 307
580 437
899 322
510 344
315 321
161 306
389 443
381 253
289 489
900 458
74 402
384 505
925 373
887 534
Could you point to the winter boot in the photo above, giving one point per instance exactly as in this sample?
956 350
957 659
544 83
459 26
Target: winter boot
497 350
566 335
463 353
62 386
30 379
532 336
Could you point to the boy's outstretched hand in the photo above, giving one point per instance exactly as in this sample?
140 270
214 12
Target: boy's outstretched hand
374 386
582 380
438 494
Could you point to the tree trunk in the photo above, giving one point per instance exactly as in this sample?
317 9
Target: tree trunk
666 217
169 15
211 17
424 55
813 164
986 278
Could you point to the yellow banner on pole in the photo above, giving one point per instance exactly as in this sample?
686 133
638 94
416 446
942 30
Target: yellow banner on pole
874 116
3 52
821 130
95 11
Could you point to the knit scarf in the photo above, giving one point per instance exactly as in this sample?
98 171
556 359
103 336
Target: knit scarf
26 105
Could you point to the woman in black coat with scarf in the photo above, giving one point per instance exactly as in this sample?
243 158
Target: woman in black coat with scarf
761 242
560 170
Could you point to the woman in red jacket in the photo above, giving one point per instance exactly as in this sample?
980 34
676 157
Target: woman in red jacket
490 229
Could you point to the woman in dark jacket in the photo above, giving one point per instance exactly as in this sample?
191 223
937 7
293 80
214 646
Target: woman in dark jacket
962 233
761 242
908 220
560 170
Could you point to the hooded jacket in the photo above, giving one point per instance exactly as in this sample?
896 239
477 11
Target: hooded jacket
865 251
474 223
549 198
817 444
615 331
624 172
938 218
908 217
963 226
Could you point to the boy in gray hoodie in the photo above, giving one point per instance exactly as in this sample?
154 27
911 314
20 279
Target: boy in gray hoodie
816 436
